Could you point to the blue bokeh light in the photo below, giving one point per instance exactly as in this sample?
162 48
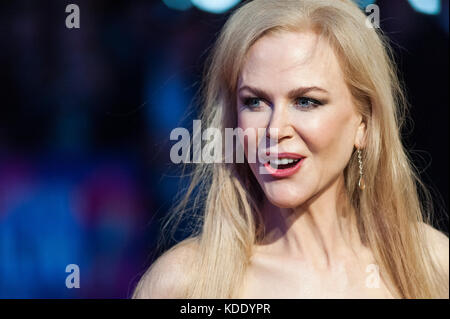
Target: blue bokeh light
364 3
426 6
216 6
178 4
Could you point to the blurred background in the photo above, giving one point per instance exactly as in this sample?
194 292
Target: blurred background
85 119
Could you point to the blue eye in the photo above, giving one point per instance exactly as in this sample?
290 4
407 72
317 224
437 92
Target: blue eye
307 103
252 102
301 102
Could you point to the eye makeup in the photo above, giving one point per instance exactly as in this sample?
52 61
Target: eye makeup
304 102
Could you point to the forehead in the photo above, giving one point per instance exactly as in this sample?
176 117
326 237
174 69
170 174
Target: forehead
286 59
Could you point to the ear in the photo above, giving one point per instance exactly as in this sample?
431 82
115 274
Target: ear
360 137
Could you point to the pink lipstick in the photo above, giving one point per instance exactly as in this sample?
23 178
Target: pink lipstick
284 164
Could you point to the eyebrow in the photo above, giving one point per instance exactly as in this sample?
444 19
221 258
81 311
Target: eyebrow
291 94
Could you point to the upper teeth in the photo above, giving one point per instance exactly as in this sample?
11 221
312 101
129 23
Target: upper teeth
283 161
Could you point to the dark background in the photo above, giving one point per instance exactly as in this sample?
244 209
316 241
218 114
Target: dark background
85 120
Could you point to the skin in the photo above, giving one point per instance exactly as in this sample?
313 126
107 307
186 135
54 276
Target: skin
305 254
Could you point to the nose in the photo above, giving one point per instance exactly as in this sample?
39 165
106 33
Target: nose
279 127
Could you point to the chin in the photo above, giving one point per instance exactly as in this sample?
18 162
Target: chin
285 200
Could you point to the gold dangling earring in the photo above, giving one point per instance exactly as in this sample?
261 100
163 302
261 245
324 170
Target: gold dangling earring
361 183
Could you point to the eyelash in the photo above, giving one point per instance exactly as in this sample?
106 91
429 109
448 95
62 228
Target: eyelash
314 103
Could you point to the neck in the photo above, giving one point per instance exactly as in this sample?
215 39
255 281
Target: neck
317 231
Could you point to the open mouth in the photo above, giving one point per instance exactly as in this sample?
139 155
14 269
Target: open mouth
283 167
284 163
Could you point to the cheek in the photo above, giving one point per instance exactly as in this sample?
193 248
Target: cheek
328 133
250 123
255 120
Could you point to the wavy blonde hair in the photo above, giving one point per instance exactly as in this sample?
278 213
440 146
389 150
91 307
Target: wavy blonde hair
227 197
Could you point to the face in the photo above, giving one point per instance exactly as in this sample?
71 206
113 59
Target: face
292 84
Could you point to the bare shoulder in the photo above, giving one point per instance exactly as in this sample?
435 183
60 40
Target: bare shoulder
439 246
167 277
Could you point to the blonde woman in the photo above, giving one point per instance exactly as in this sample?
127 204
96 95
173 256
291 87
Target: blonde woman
338 215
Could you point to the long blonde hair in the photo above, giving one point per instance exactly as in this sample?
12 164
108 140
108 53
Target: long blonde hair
389 211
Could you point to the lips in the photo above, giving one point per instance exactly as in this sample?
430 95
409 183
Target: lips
284 155
284 164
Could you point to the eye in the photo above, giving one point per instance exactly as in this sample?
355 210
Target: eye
307 102
252 102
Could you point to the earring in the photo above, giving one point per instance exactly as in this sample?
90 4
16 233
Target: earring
361 183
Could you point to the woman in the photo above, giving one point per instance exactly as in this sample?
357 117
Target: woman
336 214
